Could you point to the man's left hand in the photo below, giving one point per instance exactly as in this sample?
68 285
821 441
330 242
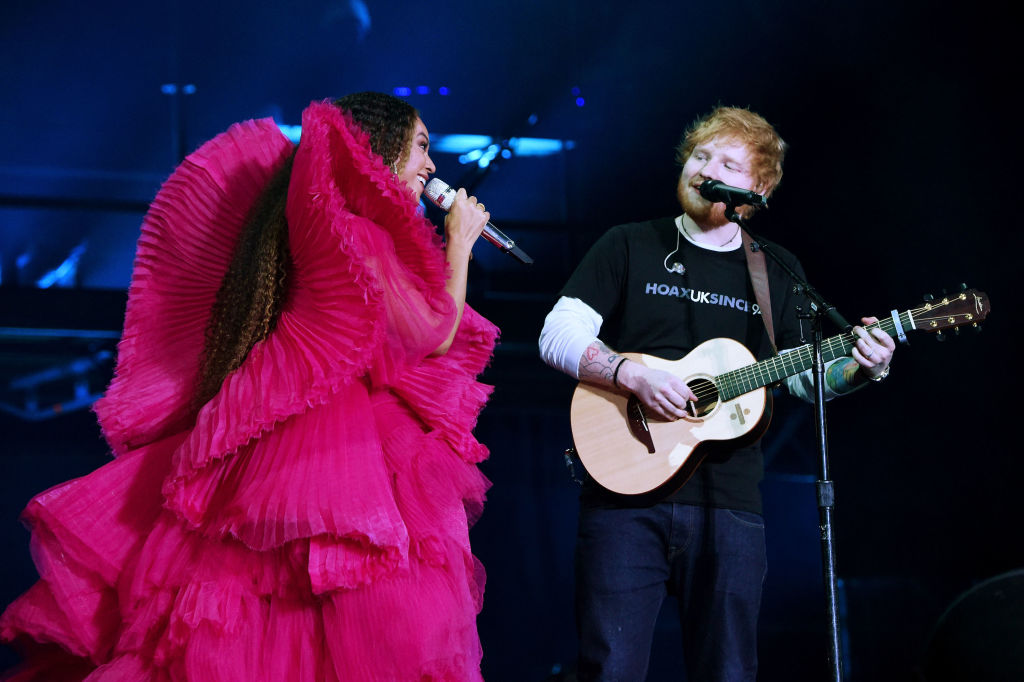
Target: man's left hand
873 349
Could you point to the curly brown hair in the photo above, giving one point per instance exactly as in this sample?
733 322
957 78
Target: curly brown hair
388 120
255 287
252 292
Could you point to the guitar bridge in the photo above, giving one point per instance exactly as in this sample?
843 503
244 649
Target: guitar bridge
638 423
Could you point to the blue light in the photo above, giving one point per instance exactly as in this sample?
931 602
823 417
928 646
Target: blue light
293 133
489 155
532 120
458 144
473 148
576 91
64 274
579 101
362 15
470 148
402 92
442 90
172 88
422 90
535 146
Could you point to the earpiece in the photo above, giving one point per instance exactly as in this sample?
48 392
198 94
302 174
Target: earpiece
676 267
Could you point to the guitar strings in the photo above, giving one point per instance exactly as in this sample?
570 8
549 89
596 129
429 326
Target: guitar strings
752 377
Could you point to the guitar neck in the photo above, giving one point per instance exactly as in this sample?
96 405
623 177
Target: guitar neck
760 374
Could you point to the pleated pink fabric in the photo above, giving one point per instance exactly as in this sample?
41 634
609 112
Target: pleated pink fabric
311 522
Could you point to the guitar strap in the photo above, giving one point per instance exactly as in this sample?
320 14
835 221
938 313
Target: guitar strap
759 278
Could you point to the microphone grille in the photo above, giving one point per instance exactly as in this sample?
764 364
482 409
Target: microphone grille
707 187
438 191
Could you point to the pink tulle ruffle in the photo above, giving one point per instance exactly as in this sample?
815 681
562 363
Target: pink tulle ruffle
315 512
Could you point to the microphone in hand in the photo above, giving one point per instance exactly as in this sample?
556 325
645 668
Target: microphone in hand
442 195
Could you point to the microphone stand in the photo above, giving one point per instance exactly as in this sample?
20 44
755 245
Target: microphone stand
824 488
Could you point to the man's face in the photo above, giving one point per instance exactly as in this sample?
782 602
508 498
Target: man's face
719 159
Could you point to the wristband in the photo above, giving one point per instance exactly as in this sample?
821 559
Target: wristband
615 375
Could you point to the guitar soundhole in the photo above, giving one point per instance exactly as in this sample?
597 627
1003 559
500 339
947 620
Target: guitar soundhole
707 395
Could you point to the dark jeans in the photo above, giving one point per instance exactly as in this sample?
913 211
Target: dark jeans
628 560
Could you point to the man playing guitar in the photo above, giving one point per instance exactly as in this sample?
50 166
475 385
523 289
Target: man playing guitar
662 288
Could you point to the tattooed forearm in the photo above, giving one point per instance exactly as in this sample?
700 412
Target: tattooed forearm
598 363
842 375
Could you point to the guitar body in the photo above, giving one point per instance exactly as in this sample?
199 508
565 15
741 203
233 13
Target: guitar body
630 453
622 463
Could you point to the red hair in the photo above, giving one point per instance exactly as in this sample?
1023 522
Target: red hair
767 149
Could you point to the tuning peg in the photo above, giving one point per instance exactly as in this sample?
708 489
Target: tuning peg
956 331
939 336
928 297
963 286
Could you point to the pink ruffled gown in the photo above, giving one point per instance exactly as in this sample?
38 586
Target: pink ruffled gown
311 522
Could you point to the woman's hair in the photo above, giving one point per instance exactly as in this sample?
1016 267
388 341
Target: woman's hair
249 300
254 289
388 121
747 128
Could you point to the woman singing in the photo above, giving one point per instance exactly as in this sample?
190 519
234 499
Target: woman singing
291 418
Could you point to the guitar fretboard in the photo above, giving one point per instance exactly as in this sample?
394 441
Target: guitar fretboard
760 374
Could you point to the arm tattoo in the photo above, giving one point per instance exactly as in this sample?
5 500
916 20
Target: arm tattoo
841 375
598 362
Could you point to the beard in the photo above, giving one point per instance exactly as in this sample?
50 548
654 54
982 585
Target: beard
706 214
702 211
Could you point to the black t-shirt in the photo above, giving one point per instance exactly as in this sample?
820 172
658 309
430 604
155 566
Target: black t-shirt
647 309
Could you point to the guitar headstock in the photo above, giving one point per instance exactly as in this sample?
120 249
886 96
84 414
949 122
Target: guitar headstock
952 311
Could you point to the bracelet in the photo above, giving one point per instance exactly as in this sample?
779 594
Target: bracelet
615 375
884 374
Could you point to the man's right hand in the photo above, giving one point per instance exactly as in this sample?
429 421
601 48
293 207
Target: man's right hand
662 392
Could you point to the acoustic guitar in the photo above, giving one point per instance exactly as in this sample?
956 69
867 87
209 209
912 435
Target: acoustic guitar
629 452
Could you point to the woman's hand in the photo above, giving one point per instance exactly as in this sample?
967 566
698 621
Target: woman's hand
463 224
462 227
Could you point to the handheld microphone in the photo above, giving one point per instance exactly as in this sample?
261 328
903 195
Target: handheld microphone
439 192
716 190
